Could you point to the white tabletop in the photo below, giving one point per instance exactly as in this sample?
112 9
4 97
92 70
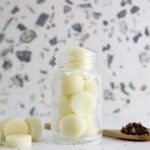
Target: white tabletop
105 144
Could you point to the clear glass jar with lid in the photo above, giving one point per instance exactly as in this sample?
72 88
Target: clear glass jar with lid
76 98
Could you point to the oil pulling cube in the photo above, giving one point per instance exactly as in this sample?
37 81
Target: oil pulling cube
64 105
77 55
16 126
91 87
79 58
83 103
72 84
72 126
35 127
2 125
91 128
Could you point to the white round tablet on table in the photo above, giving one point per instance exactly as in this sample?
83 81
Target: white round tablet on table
18 141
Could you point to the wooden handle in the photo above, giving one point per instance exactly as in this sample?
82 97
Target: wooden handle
110 132
47 125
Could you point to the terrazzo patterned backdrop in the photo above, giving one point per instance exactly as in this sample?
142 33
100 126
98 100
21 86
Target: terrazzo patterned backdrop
33 31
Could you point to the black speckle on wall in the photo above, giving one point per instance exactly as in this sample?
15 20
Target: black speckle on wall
108 95
7 50
69 2
27 36
134 9
121 14
96 15
18 80
123 27
125 2
26 78
21 27
42 95
32 111
144 57
131 86
121 67
114 74
77 27
42 19
7 64
43 71
105 23
136 37
53 41
128 101
117 110
22 105
41 80
85 5
109 60
84 37
67 9
106 48
147 47
2 36
31 9
53 61
147 32
15 10
123 88
8 23
112 85
24 56
40 1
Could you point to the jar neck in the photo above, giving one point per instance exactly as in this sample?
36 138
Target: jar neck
80 59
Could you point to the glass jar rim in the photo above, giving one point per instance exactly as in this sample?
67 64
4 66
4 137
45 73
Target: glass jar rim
64 59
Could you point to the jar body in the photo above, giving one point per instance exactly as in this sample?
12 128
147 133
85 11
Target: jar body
76 106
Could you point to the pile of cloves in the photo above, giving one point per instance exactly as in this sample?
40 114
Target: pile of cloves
135 129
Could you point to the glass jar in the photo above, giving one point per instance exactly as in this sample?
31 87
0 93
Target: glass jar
76 98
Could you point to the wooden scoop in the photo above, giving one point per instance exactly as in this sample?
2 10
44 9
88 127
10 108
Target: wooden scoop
117 134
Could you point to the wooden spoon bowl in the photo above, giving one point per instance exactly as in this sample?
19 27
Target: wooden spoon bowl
118 134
